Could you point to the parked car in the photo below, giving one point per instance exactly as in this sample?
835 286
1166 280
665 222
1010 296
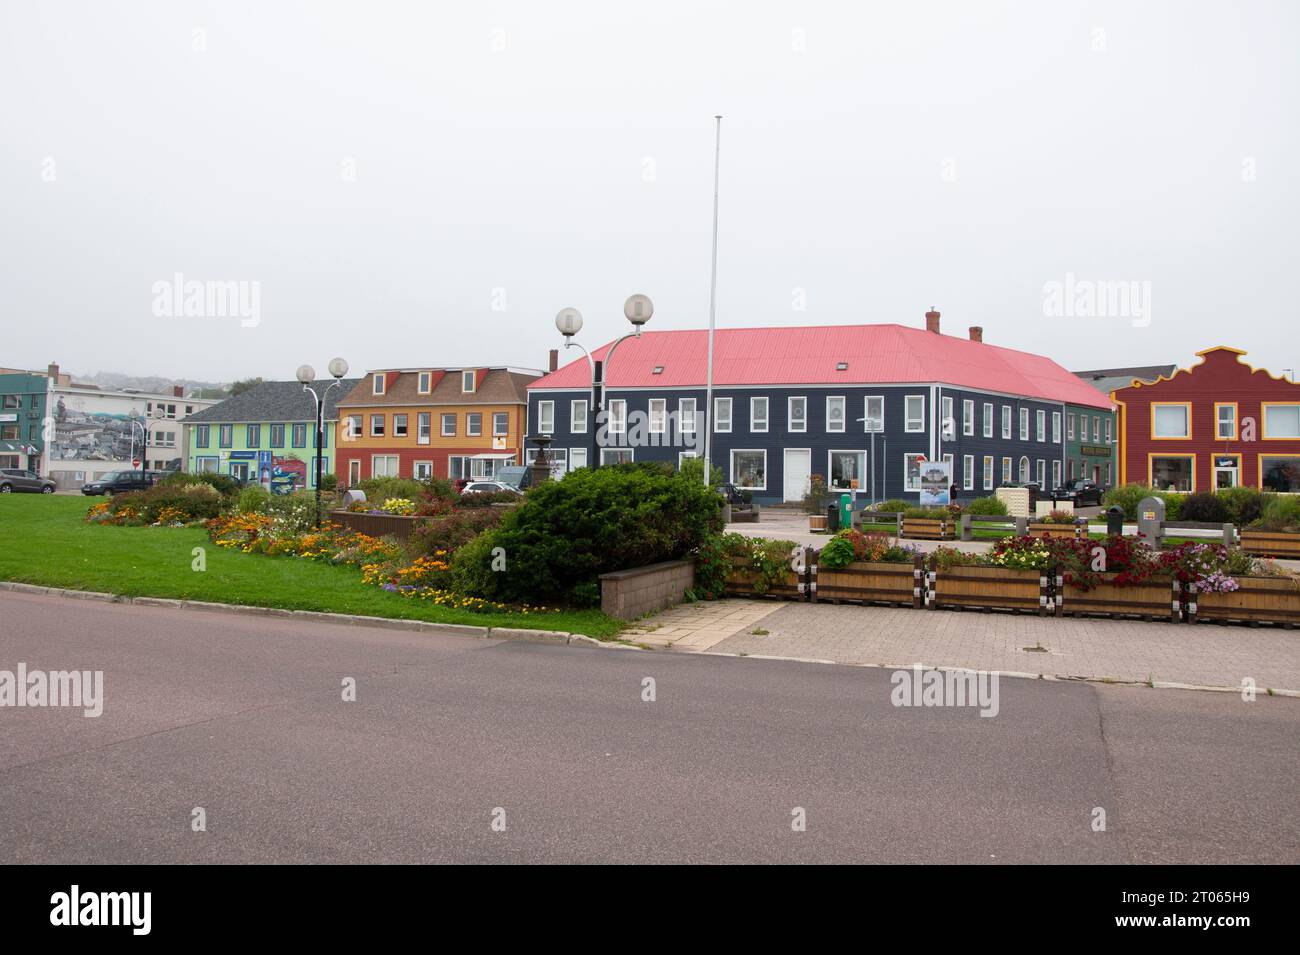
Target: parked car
120 482
488 487
515 476
1081 492
14 479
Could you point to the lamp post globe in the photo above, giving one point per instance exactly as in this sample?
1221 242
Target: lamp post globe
338 367
638 309
568 321
306 373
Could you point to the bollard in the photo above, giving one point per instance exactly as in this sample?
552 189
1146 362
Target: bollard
1022 526
967 534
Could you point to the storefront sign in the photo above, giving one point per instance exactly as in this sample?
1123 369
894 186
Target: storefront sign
1095 450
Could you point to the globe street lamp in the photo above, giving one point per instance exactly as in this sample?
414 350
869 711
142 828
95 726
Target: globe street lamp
638 310
307 374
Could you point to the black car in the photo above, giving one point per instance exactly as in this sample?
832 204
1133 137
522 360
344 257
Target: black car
1081 492
120 482
15 479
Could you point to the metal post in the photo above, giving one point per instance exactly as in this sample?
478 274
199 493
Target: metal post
713 299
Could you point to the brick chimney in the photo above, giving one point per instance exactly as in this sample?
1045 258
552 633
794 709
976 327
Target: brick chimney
976 333
554 362
932 321
53 372
178 391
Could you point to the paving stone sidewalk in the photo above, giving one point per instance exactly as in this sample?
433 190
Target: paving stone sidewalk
1201 654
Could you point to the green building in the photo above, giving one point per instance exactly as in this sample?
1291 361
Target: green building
23 403
266 434
1091 445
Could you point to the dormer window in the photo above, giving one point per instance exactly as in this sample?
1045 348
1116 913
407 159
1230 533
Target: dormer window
467 381
424 384
659 369
377 383
842 366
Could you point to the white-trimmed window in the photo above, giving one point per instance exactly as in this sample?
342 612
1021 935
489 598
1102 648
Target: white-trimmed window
968 472
658 415
912 471
1281 421
1040 426
1069 426
1056 473
377 383
577 458
722 415
1024 424
422 471
686 415
351 433
423 424
797 414
874 413
846 469
424 386
1096 429
749 469
758 414
616 455
399 425
1171 420
988 472
915 416
384 465
1108 475
468 380
474 424
835 413
968 417
1110 430
1042 475
546 417
376 426
1006 421
578 417
617 418
1024 470
500 424
988 419
1056 427
946 416
449 425
1006 470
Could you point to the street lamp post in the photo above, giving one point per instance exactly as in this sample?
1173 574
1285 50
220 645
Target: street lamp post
307 374
638 310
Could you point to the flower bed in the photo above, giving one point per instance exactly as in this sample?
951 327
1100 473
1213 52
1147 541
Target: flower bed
761 568
866 568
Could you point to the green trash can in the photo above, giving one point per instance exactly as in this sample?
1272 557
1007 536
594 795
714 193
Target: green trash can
846 511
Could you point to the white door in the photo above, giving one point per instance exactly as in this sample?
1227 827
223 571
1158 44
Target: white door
798 470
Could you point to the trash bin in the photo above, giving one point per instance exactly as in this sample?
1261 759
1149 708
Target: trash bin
832 517
1114 520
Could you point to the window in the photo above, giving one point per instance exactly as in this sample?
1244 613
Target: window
835 413
500 424
874 419
1170 421
225 435
277 436
377 425
207 465
253 436
12 401
474 424
912 471
617 418
1172 472
377 383
1006 470
577 458
988 419
449 425
658 415
424 385
383 465
202 435
1281 421
616 455
758 414
1107 472
1024 424
423 470
458 467
1056 427
968 472
968 417
683 456
300 436
354 472
1042 474
914 409
1006 421
1024 470
1040 426
578 417
846 468
1056 473
686 415
1096 429
467 381
722 415
1225 421
1280 472
546 417
749 469
1069 426
9 432
354 427
424 427
988 472
1070 468
399 425
797 411
1110 433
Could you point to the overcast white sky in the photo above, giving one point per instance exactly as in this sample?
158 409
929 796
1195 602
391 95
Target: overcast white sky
880 157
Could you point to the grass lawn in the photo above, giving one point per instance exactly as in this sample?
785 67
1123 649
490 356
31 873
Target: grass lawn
47 542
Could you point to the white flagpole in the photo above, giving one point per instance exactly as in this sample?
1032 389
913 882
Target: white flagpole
713 300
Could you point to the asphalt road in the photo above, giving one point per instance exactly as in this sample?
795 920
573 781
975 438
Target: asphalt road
243 716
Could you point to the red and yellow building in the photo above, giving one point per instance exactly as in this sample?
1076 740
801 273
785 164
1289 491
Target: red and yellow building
433 422
1220 423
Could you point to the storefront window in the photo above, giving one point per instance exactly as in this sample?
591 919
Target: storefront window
748 469
846 467
1280 473
1172 472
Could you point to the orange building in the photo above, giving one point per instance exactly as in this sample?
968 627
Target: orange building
433 422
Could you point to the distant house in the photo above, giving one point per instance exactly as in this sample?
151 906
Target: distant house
1220 423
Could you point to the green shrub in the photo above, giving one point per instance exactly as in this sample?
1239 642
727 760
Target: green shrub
1243 504
566 533
223 483
1279 512
381 489
712 565
893 505
254 499
487 499
838 552
293 514
1204 506
471 567
328 481
914 513
769 558
986 506
1128 496
452 530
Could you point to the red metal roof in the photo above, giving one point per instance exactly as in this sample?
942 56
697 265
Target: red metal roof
876 354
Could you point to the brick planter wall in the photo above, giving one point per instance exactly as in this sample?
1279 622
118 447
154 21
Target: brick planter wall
628 594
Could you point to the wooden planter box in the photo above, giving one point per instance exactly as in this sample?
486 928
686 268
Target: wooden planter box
870 582
816 522
1067 531
376 525
1160 597
1270 543
740 583
1259 600
990 588
744 517
943 529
